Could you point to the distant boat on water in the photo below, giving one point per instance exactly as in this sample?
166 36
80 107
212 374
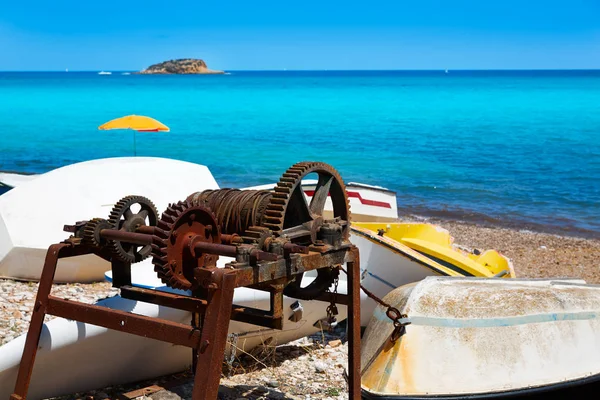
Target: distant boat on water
104 73
126 73
446 71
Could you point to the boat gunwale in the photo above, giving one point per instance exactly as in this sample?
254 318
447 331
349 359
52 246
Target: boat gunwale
400 248
471 271
542 390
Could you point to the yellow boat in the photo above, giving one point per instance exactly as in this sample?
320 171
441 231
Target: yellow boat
395 254
437 244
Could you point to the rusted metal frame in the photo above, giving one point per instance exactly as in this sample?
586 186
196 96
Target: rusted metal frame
134 394
121 273
276 304
140 325
256 316
56 251
266 271
272 318
167 299
354 387
201 247
214 337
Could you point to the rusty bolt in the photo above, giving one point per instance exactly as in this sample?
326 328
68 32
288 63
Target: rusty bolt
204 346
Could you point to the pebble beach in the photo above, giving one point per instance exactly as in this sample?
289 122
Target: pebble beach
312 367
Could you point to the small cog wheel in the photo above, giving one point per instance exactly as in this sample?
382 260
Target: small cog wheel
91 232
128 215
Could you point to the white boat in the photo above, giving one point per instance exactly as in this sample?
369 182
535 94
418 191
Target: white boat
485 338
104 73
367 202
74 356
11 179
33 213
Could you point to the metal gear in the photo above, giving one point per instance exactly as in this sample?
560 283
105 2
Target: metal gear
287 209
91 232
123 218
171 258
258 235
288 214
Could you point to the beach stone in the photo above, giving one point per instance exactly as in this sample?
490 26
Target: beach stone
320 367
335 343
164 395
272 383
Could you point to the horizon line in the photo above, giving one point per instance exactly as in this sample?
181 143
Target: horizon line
328 70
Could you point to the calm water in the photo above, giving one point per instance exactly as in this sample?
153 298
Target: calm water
522 148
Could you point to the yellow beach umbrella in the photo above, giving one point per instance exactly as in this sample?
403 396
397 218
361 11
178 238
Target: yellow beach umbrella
138 123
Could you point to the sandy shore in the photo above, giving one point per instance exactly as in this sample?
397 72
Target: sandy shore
307 369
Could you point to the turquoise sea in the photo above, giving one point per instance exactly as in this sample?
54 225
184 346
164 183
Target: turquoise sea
518 148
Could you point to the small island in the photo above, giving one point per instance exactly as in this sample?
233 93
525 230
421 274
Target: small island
180 66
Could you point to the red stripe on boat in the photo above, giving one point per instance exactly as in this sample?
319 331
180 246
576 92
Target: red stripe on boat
357 195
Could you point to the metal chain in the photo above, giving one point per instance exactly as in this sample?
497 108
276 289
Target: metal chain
332 310
392 313
232 339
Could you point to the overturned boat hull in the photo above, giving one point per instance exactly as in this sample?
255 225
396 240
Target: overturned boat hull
74 193
485 338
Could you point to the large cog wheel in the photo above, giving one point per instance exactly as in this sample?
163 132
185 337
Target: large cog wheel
289 214
172 260
128 215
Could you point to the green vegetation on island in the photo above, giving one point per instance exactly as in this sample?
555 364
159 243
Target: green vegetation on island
180 66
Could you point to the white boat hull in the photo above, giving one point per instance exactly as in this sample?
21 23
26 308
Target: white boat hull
483 337
32 215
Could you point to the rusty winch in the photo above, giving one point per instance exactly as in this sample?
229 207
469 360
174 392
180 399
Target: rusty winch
273 236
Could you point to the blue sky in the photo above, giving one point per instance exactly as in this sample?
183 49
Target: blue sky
324 34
